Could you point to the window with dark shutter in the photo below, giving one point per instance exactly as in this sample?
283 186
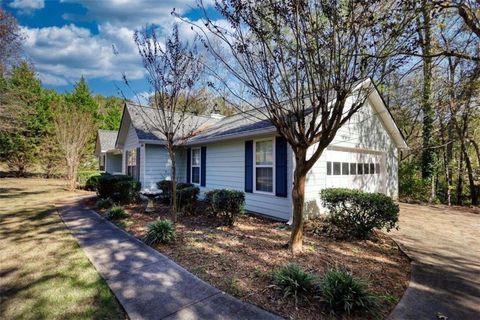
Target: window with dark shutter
281 167
249 166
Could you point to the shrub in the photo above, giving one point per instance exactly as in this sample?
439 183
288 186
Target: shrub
119 188
411 186
159 231
166 187
356 213
344 293
87 179
226 204
116 213
186 198
104 203
292 281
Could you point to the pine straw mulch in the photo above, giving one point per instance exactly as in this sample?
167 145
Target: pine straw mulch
239 260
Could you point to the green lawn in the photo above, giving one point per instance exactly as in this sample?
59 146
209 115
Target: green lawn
43 272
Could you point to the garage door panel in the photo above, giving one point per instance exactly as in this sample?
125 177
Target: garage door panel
356 170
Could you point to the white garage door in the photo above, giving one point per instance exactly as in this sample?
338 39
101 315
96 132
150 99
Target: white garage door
356 170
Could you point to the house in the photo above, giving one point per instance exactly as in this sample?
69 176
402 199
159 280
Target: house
244 152
109 158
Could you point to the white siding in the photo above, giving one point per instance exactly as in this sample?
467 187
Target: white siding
113 162
226 169
131 142
158 165
364 132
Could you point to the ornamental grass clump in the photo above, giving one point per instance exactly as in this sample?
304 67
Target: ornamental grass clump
104 203
294 282
116 213
344 293
159 231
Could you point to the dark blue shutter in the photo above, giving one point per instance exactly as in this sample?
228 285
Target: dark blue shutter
138 164
281 167
249 166
203 166
189 159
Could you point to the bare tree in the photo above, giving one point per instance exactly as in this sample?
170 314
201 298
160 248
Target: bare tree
173 72
73 128
10 39
303 62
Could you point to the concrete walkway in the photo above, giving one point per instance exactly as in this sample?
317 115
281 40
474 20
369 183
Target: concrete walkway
444 244
148 284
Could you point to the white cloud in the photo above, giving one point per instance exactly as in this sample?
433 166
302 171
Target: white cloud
65 53
27 6
62 54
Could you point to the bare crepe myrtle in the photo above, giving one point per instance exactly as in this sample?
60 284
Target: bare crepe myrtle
304 63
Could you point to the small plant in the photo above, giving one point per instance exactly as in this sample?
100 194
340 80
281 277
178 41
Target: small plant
104 203
344 293
159 231
356 214
292 281
116 213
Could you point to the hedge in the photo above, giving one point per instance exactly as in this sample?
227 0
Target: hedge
87 179
226 204
356 214
119 188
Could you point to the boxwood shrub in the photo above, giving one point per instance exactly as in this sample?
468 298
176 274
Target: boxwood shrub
226 204
186 198
356 214
119 188
87 179
166 187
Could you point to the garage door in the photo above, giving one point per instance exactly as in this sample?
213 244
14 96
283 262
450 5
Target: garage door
361 170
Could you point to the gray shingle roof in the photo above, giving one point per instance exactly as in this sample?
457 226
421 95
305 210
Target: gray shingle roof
144 120
107 139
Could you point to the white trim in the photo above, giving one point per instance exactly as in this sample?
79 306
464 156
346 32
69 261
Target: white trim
199 166
273 165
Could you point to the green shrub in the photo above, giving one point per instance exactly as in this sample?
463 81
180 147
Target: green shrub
344 293
166 187
159 231
116 213
226 204
186 198
104 203
411 186
292 281
86 179
356 213
119 188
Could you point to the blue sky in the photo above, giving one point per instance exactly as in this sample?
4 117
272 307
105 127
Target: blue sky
69 38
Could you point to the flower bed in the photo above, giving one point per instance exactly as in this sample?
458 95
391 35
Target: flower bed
240 259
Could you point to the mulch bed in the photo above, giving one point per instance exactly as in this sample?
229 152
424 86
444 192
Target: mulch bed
239 260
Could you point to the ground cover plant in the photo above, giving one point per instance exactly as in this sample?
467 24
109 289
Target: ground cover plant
240 259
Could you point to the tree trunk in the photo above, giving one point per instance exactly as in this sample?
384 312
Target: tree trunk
173 173
426 44
471 180
460 176
298 198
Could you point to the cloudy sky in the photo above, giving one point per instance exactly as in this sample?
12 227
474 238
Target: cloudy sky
69 38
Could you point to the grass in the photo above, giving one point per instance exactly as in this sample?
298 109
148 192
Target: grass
43 272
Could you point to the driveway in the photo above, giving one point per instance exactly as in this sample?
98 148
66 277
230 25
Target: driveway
444 245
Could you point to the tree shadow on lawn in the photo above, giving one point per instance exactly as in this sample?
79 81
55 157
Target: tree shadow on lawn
45 275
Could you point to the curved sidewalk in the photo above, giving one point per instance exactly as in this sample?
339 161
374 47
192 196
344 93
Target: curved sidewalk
147 283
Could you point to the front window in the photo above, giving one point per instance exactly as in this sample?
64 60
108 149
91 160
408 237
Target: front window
196 165
132 163
264 159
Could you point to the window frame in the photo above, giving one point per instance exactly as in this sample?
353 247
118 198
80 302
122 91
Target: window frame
199 166
255 166
132 169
